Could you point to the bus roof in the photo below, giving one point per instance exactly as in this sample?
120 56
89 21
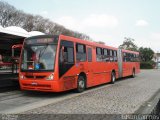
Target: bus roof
89 43
129 51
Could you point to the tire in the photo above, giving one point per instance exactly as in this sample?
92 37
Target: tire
81 84
113 77
133 73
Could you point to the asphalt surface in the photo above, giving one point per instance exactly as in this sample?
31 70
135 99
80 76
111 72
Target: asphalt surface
126 96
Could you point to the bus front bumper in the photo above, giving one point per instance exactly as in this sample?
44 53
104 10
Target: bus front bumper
40 85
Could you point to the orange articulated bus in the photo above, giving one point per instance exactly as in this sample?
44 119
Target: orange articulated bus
59 63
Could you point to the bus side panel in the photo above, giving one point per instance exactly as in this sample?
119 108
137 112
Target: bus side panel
68 80
127 68
99 73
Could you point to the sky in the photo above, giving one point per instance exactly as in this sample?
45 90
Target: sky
103 20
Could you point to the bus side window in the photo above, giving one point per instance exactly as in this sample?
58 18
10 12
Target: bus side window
111 55
115 56
80 52
89 54
124 57
66 55
134 57
127 57
98 54
106 55
137 58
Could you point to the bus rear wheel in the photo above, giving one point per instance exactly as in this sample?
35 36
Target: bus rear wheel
81 84
133 73
113 77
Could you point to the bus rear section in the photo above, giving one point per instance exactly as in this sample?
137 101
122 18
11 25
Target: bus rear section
128 63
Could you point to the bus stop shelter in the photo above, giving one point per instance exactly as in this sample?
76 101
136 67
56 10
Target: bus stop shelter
10 36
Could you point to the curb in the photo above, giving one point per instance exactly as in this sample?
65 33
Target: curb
151 107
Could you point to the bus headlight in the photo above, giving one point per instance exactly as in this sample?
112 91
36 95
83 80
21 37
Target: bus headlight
21 76
50 77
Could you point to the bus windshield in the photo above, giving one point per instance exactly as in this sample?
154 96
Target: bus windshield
38 57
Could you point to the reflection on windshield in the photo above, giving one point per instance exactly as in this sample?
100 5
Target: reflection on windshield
38 57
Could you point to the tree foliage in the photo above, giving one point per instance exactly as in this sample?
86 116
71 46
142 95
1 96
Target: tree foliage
146 54
129 44
10 16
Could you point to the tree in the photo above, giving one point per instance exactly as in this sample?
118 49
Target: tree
6 13
129 44
10 16
146 54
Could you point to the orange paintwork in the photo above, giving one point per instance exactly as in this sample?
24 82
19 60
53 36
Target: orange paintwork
128 66
96 72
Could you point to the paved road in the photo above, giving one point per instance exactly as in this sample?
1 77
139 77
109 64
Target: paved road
124 97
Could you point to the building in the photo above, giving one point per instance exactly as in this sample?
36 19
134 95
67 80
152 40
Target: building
157 60
12 35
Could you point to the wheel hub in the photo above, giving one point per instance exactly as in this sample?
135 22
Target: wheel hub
81 84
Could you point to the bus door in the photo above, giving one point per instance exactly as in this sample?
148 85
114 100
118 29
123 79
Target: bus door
90 66
66 64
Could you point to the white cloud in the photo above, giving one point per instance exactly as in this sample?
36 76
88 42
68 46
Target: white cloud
155 36
101 21
142 23
155 41
151 40
106 38
68 22
89 22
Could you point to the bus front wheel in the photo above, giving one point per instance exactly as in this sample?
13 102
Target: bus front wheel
81 84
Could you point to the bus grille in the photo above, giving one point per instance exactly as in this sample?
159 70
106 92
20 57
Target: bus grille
35 77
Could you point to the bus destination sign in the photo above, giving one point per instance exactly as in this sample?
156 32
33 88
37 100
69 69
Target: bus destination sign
40 41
